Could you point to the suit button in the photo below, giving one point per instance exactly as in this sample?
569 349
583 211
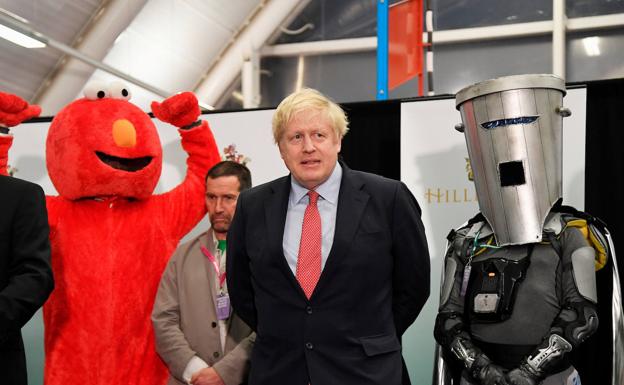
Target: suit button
213 324
309 345
215 354
309 309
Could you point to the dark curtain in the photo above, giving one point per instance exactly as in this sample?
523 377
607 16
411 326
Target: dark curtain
373 141
604 192
373 144
604 156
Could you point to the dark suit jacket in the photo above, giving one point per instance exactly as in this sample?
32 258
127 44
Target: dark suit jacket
25 273
373 286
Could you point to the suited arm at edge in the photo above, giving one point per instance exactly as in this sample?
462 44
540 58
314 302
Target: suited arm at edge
239 274
411 276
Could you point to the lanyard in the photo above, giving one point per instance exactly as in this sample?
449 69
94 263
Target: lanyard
212 259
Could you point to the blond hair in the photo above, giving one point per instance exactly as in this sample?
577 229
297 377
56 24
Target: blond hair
308 99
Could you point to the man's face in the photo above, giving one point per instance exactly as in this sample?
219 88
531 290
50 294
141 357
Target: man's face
309 147
221 196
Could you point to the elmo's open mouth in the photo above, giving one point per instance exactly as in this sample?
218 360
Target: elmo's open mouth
124 164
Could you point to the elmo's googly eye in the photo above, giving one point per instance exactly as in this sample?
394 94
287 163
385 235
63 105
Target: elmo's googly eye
96 90
119 90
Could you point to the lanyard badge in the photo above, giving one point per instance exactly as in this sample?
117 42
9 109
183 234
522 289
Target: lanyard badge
223 299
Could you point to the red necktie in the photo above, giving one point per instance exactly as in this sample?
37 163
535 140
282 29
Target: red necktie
309 259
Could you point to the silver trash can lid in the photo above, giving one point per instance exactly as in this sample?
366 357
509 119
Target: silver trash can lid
507 83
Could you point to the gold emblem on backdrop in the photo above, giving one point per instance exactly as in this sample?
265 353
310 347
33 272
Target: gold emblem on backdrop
469 170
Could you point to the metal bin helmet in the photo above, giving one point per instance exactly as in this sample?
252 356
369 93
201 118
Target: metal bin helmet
513 130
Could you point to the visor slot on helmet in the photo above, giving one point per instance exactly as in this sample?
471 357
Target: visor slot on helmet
508 122
511 173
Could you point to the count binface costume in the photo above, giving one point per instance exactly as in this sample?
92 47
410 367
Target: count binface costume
519 290
111 238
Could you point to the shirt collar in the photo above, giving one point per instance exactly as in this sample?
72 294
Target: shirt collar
215 241
328 190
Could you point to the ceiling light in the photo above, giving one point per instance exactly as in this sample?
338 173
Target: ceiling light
19 38
592 47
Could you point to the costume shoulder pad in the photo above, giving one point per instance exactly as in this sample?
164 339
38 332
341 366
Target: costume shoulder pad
592 228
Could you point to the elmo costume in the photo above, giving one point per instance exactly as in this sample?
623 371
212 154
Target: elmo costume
111 238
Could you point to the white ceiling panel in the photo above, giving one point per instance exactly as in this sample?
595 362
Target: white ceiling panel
61 20
23 70
167 44
153 63
229 14
171 43
179 29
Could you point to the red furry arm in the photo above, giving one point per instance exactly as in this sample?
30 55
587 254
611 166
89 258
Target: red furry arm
5 144
183 207
53 205
13 111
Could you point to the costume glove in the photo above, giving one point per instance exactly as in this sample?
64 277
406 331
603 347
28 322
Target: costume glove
14 110
486 372
181 110
523 375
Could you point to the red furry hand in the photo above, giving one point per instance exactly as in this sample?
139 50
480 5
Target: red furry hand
14 110
180 110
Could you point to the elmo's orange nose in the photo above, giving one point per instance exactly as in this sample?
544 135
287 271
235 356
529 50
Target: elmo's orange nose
124 133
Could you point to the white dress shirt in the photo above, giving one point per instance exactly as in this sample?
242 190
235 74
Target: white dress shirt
327 205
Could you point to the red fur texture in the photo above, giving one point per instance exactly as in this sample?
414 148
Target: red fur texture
5 144
111 239
14 110
83 128
180 111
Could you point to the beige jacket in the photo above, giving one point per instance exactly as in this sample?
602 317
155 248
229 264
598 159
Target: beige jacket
185 319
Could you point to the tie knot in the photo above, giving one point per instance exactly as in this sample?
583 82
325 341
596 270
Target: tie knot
313 197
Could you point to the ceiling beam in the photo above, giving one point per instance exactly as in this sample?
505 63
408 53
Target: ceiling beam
449 36
252 37
69 78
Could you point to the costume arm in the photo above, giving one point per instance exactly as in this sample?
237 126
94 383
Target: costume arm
30 275
234 366
13 111
238 271
577 319
410 279
451 331
182 207
53 204
5 143
171 344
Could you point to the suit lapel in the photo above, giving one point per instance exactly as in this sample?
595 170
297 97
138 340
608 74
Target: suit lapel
275 209
352 201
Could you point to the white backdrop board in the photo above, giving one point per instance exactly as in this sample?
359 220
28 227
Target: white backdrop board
250 131
434 163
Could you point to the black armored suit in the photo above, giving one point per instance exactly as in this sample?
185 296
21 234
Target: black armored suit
516 310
